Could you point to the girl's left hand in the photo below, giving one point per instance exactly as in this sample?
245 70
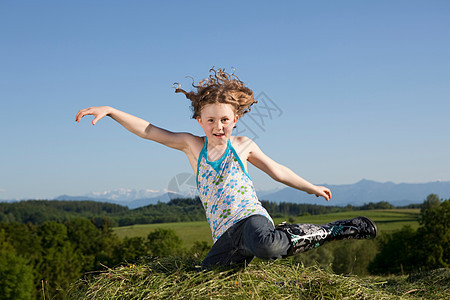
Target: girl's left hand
324 192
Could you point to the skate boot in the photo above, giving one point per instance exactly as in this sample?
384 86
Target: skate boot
304 237
357 228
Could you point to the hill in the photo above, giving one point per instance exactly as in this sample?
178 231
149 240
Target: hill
366 191
130 203
39 211
176 210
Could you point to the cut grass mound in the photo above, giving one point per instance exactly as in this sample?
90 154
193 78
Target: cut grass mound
174 278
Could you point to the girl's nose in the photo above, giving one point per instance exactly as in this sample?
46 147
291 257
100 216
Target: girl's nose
219 125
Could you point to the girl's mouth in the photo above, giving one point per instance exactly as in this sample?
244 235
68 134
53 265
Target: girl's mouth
219 134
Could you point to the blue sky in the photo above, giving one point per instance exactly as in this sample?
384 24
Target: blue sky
362 88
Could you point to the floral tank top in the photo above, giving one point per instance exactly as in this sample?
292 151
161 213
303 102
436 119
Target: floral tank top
226 191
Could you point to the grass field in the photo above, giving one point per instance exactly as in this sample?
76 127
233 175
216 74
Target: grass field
386 220
189 232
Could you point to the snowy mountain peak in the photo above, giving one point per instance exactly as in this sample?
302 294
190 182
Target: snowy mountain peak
125 194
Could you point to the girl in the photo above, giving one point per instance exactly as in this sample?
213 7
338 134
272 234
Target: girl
241 228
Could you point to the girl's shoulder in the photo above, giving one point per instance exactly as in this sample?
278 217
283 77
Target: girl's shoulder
237 140
195 141
243 146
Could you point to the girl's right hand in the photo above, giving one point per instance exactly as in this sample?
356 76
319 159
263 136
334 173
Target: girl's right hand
98 112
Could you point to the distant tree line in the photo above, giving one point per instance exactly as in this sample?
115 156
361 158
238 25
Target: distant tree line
40 211
176 210
284 209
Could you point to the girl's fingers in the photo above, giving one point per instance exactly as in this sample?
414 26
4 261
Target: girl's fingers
97 118
85 112
81 113
76 116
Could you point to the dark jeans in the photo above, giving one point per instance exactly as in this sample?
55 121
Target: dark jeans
253 236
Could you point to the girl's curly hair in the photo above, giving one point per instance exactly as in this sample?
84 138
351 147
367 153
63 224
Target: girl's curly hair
219 87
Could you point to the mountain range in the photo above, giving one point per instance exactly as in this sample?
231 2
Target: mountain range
366 191
359 193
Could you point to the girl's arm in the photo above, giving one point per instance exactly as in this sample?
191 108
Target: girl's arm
283 174
138 126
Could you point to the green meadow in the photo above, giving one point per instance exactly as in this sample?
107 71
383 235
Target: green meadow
387 220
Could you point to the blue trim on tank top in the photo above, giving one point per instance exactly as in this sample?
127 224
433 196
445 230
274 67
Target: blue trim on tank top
215 164
240 162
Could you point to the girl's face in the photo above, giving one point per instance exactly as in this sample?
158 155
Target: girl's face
218 121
